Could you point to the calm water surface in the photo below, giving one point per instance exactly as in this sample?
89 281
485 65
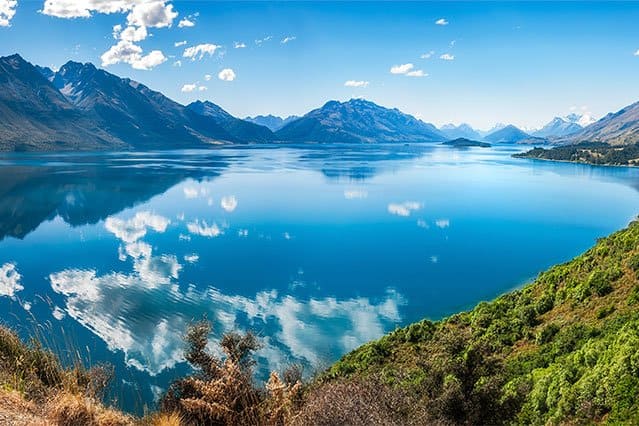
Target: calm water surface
317 250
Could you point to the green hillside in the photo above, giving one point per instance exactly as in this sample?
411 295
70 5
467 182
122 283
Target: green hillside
564 349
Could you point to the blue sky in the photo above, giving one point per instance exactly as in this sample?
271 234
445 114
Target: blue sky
520 63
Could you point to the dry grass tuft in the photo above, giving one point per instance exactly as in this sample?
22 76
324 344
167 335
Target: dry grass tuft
359 402
165 419
67 409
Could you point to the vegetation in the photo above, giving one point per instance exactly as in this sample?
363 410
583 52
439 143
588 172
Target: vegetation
562 350
588 152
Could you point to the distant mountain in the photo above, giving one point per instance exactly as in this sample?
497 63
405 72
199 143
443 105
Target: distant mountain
619 128
560 126
271 121
239 130
358 121
37 117
497 126
508 134
462 131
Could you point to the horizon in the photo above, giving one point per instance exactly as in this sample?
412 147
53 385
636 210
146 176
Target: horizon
480 64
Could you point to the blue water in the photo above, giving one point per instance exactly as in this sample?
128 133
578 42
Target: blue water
317 250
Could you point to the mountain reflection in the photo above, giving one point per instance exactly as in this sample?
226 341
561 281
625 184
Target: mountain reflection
85 189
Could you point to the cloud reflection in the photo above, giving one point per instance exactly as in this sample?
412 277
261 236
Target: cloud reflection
10 280
404 209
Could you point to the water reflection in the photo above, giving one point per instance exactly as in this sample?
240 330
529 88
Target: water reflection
144 312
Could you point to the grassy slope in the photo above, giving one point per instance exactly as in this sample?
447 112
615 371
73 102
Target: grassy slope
564 349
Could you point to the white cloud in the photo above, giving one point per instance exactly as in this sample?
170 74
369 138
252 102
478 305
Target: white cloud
7 12
356 83
422 223
191 258
202 88
155 14
427 55
239 45
188 88
407 70
179 43
203 229
637 52
85 8
130 33
416 73
10 280
208 77
177 63
229 203
447 57
129 53
262 40
404 209
401 69
242 233
186 22
441 21
442 223
198 52
226 74
288 39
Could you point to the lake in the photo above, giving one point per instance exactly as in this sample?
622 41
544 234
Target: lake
315 249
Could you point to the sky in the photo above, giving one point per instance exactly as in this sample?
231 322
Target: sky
444 62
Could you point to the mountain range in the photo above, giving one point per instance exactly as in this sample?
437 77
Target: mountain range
273 122
81 107
358 121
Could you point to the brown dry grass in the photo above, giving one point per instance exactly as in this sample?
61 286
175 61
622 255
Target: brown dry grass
69 409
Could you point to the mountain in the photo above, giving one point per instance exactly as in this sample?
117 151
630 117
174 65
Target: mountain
497 126
358 121
239 130
508 134
271 121
81 107
619 128
462 131
141 117
558 127
36 116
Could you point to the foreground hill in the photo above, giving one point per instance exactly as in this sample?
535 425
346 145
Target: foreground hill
562 350
358 121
